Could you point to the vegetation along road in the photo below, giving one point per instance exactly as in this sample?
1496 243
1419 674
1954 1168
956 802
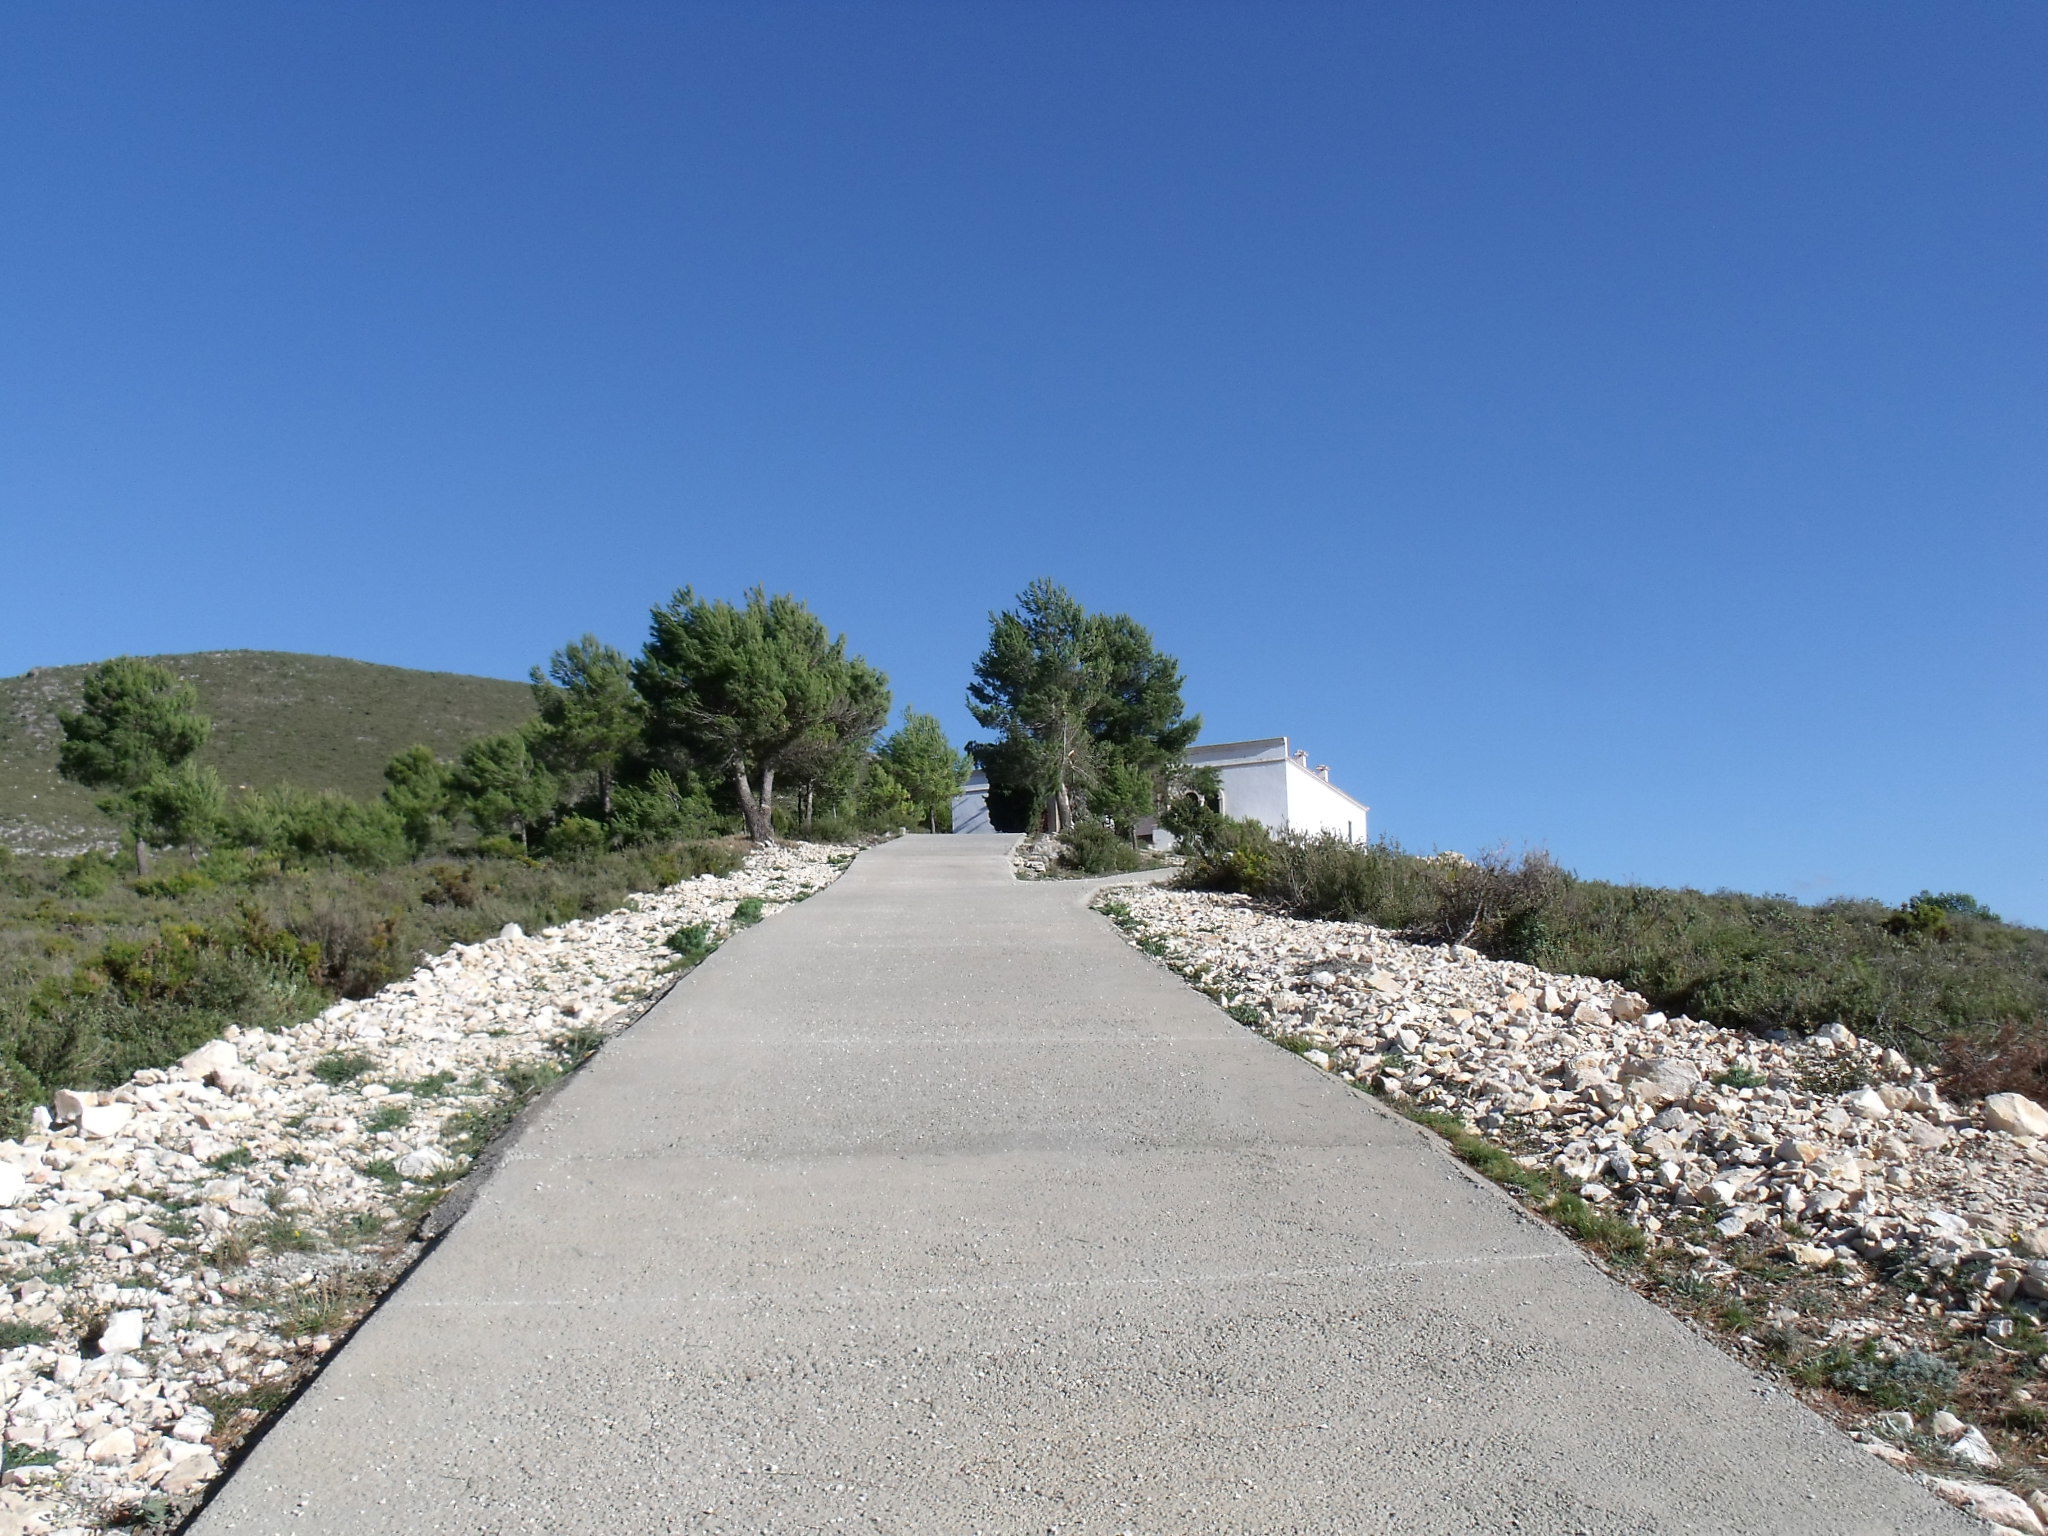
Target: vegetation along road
932 1207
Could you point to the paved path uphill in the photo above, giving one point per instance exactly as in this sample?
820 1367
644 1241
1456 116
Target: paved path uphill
930 1207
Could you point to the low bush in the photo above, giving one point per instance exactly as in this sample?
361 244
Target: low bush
576 837
1094 849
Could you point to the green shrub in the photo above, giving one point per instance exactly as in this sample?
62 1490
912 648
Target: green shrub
451 885
1911 1378
1094 849
386 1117
314 827
173 884
832 827
499 846
358 943
575 837
693 943
659 810
88 875
747 913
340 1067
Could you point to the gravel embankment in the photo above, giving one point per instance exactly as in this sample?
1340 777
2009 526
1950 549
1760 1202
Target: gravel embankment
1838 1156
186 1247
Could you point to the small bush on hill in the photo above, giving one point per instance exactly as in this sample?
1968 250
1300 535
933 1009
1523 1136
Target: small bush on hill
575 837
1094 849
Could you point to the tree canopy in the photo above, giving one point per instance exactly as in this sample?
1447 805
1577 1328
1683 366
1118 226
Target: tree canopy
1088 709
745 690
136 723
502 788
920 759
590 717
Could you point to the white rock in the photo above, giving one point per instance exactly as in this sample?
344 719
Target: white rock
1998 1505
45 1226
190 1472
122 1334
214 1056
1659 1079
2015 1114
511 931
13 1184
1971 1446
105 1121
1867 1102
114 1445
426 1162
66 1104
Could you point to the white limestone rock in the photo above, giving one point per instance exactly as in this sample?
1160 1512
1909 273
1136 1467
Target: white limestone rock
123 1333
2000 1506
103 1122
2015 1114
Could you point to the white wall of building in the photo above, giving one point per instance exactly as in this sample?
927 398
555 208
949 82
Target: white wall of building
1263 780
1315 805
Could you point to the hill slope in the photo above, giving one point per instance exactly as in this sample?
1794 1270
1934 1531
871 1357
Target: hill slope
316 721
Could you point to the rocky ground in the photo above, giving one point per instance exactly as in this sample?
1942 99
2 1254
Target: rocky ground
184 1249
1817 1202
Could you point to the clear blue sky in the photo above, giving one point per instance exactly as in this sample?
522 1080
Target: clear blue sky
1612 426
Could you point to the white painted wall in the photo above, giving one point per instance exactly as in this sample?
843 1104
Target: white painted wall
1261 780
1256 790
1314 805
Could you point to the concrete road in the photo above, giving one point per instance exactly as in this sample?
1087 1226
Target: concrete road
930 1207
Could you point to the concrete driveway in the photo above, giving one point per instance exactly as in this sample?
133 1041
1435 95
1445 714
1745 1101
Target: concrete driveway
930 1207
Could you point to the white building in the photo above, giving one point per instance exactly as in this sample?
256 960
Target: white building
1263 780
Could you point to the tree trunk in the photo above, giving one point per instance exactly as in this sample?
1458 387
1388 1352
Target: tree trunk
759 827
604 793
141 856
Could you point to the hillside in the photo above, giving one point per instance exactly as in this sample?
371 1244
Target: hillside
317 721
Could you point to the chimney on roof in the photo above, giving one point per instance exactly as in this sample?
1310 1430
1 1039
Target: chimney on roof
1323 772
1301 758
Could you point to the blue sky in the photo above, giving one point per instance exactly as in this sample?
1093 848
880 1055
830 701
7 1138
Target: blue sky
1608 426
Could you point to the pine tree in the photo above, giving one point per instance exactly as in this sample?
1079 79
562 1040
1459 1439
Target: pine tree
590 717
921 760
136 721
1089 711
744 690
